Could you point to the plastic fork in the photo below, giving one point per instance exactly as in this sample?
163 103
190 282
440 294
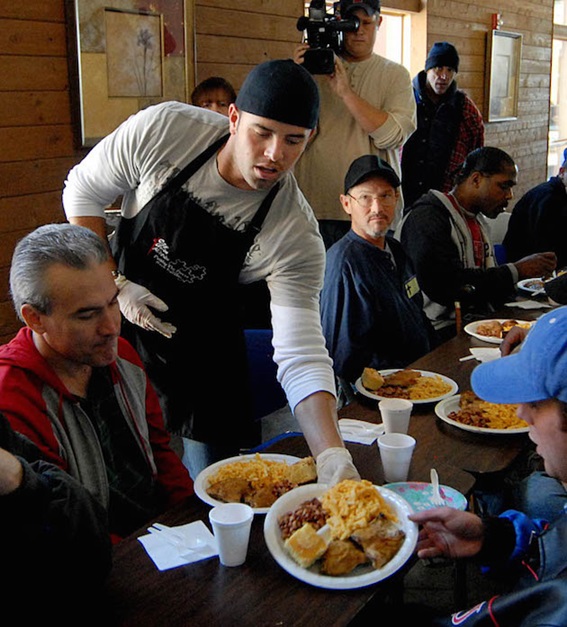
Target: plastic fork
179 541
438 500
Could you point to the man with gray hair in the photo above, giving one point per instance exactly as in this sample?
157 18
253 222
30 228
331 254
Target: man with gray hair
209 203
76 389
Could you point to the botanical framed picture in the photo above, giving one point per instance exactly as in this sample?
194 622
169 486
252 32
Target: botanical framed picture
125 55
504 55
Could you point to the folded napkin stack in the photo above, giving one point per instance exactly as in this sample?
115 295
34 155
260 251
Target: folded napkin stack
177 546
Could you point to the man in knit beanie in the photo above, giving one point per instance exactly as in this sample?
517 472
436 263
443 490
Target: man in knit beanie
449 126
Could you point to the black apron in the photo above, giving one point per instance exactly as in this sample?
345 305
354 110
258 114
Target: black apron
187 257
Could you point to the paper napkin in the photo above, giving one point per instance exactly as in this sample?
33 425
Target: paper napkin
485 354
165 555
359 431
529 304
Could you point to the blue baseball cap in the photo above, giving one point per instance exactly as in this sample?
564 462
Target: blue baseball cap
537 372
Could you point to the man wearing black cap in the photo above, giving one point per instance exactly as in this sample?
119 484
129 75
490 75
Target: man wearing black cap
208 203
539 220
449 126
367 107
371 303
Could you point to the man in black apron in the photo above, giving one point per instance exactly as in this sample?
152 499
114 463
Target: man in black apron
182 258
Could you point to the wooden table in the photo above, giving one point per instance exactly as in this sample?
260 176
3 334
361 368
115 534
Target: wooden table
260 592
459 456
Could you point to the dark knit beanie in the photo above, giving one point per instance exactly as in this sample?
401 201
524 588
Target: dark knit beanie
442 54
281 90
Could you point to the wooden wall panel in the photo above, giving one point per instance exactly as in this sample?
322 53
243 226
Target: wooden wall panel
233 37
32 38
525 139
35 128
46 11
20 108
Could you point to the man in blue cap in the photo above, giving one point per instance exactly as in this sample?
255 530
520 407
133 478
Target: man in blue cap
539 220
210 203
449 126
531 549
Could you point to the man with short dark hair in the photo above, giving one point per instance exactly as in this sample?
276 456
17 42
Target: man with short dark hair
371 304
367 107
214 93
539 220
446 236
76 389
209 204
449 126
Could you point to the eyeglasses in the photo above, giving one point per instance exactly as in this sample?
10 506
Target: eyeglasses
367 200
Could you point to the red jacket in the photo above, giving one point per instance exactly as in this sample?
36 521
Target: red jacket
38 404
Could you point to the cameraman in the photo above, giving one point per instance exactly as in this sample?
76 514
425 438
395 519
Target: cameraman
367 107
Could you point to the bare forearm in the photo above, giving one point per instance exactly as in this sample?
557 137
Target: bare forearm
368 117
96 224
317 417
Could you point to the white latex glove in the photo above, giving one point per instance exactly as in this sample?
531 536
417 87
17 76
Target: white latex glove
135 302
335 464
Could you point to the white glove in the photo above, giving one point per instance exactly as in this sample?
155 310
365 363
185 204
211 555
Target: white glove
135 301
335 464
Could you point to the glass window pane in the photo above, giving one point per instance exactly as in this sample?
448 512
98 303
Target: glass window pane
560 12
558 106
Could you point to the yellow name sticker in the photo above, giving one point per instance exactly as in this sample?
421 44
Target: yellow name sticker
412 286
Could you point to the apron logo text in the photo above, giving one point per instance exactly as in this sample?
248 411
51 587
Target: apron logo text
177 268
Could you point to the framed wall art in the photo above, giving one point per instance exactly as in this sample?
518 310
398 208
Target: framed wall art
125 55
504 54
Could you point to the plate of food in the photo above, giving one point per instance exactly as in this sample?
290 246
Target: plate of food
419 386
532 286
349 536
493 331
467 411
257 479
419 494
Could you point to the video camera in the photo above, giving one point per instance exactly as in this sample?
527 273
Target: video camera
324 36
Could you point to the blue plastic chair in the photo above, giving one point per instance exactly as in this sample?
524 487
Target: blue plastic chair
267 393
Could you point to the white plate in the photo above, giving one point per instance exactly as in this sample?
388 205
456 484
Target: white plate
202 481
449 405
424 373
361 576
472 326
526 285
